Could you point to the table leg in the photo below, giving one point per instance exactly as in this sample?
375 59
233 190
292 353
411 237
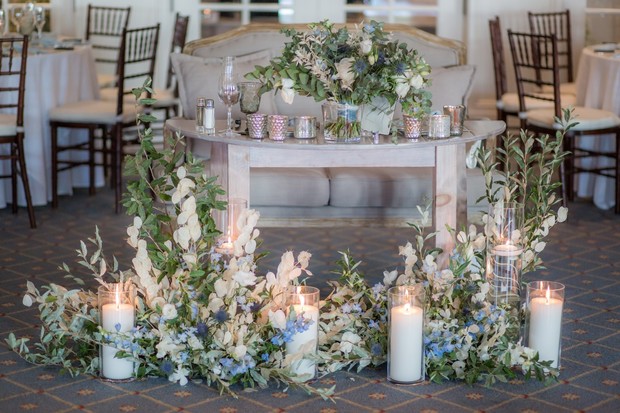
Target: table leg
450 188
231 163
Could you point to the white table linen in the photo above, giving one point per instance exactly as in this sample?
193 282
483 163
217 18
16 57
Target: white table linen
598 86
53 78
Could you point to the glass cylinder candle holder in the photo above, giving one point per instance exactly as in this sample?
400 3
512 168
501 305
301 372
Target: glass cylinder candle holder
457 118
228 225
116 303
439 126
305 127
543 322
505 252
304 301
406 334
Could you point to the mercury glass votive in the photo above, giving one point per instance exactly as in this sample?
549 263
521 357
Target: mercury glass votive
439 126
257 125
277 125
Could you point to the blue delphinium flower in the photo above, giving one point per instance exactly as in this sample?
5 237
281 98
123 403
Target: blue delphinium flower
166 367
376 349
373 324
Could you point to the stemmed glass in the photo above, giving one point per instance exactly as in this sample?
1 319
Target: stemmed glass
249 97
39 20
228 91
2 23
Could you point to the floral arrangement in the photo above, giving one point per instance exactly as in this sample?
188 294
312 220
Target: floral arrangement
347 66
202 315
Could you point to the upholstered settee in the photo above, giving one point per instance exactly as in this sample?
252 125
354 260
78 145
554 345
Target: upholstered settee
335 195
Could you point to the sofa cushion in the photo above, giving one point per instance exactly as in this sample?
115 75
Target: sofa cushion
198 77
449 86
392 187
308 187
380 187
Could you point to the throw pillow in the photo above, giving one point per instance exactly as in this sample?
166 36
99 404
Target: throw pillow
198 77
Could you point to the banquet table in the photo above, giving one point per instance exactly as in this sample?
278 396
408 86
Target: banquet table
598 86
233 156
53 77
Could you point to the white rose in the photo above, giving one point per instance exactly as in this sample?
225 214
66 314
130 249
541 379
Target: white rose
288 94
366 46
402 89
416 82
345 72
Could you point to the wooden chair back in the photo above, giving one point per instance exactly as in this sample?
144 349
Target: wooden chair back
13 61
499 65
535 60
104 29
137 59
558 24
179 38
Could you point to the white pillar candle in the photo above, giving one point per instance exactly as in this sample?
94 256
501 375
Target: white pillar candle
545 327
406 345
113 314
507 250
306 341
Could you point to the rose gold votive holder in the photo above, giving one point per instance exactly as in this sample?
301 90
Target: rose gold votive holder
277 124
412 127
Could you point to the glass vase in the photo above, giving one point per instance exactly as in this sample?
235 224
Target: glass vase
228 225
406 334
304 301
543 321
505 252
341 122
116 303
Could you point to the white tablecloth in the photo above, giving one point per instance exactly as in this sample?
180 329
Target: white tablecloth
598 86
53 78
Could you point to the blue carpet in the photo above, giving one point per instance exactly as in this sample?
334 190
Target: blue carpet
582 253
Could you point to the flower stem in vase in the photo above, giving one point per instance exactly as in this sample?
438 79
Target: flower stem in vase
341 122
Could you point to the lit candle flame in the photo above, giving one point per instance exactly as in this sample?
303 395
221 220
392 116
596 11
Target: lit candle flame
302 299
548 294
117 296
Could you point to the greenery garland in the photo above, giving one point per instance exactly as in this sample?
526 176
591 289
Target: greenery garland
201 315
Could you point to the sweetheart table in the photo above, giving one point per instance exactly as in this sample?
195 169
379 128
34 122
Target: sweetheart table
53 77
233 156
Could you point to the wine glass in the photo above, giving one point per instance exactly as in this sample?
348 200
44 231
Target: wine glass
249 97
2 23
39 20
16 17
228 91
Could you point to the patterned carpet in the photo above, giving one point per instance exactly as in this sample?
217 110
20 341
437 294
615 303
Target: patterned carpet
582 253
